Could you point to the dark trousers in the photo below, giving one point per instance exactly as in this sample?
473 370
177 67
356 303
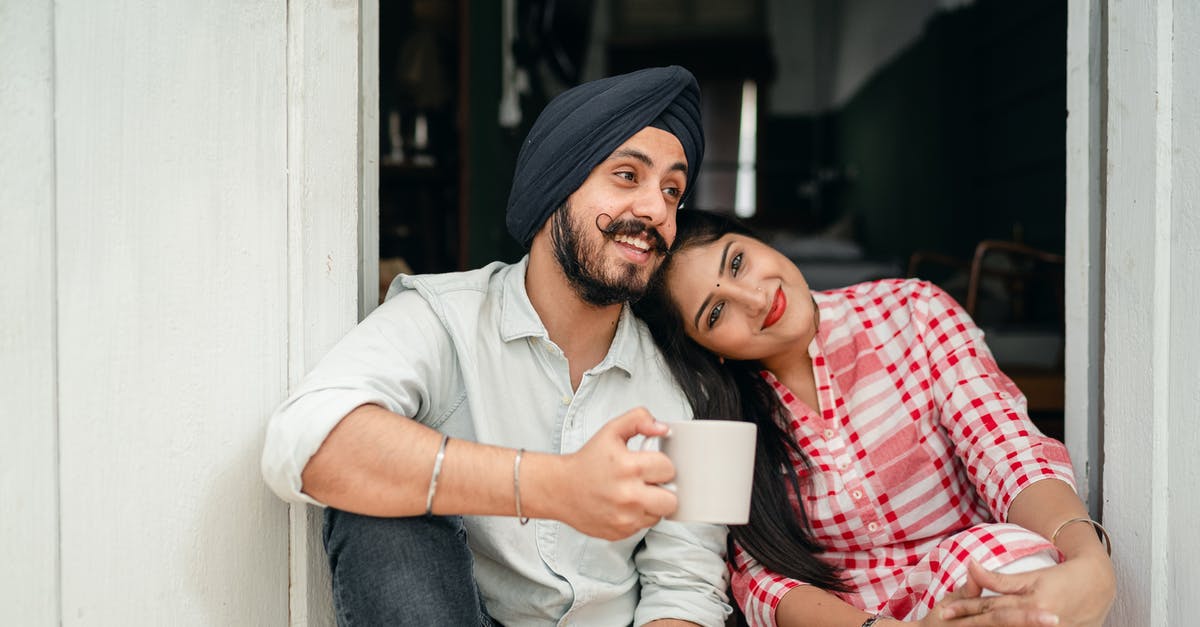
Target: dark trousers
402 571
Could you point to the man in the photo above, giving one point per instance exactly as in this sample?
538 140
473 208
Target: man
470 403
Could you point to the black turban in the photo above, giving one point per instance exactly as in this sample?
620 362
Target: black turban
582 126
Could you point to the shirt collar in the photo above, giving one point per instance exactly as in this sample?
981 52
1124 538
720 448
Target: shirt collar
518 319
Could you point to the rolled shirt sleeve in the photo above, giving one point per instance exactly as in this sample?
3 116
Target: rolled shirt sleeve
984 412
757 589
683 574
366 367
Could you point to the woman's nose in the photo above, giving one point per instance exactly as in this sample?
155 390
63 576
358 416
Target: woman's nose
754 298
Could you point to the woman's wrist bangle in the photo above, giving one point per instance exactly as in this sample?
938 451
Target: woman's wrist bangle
437 470
517 485
1101 532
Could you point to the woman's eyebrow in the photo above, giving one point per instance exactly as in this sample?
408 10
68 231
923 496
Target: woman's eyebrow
720 273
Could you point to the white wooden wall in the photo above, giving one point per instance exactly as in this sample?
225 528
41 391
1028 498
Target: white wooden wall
28 400
181 225
1134 174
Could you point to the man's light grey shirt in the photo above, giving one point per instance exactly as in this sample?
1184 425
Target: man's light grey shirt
466 354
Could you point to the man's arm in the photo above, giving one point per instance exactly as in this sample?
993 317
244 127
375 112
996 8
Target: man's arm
378 463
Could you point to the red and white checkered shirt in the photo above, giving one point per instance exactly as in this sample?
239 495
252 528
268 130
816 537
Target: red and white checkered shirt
920 445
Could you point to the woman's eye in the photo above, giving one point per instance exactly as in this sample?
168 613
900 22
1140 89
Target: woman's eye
715 314
735 264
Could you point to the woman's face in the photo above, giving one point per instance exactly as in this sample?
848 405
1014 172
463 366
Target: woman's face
742 299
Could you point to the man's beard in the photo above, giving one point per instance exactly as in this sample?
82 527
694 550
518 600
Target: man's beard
582 262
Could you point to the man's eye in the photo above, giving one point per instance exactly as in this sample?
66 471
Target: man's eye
628 176
673 192
735 264
715 314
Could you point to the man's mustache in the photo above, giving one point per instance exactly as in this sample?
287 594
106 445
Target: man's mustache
631 227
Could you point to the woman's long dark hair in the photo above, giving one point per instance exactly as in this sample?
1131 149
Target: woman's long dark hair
735 390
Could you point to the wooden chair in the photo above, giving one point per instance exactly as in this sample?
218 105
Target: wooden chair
1043 386
1023 274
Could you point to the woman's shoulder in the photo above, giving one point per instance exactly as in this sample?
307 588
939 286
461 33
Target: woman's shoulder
884 293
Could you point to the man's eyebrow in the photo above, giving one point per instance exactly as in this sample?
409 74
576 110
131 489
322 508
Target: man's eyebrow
634 153
720 273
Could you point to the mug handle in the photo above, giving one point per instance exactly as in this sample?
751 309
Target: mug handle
670 485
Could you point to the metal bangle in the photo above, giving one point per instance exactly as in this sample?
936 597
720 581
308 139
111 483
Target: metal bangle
870 621
1101 532
524 520
437 470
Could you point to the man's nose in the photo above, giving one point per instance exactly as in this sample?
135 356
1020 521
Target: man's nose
652 205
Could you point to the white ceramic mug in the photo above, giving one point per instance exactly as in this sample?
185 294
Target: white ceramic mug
714 469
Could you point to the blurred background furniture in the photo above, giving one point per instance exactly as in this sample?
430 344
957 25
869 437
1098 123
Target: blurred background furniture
1014 292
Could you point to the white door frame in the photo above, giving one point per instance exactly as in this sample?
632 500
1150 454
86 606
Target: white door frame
1133 379
333 152
1084 245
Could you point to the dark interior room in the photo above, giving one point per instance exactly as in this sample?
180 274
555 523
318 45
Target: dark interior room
864 140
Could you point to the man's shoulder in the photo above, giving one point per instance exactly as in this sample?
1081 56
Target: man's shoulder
480 280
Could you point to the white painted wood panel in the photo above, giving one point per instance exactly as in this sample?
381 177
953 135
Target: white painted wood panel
1183 399
332 155
1151 339
1134 373
1084 246
172 213
28 416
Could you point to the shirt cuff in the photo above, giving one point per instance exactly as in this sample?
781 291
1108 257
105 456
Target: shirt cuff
298 429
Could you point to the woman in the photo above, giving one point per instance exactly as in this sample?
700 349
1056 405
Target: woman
893 453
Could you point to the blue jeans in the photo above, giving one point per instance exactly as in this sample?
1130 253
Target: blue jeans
402 571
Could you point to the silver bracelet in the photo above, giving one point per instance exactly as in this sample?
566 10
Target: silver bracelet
437 470
524 520
1101 532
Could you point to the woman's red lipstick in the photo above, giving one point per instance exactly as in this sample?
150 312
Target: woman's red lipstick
778 306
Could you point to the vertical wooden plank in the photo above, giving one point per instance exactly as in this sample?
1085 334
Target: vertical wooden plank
1084 244
329 237
171 160
28 413
1138 292
368 133
1183 404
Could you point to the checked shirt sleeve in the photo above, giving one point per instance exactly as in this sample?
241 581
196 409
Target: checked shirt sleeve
982 410
757 589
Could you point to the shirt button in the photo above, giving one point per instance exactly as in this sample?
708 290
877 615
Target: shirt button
842 465
857 494
828 434
872 526
566 400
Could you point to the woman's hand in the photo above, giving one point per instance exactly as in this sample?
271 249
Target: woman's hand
980 614
1079 591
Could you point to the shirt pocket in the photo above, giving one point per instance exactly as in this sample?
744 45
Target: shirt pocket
610 562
